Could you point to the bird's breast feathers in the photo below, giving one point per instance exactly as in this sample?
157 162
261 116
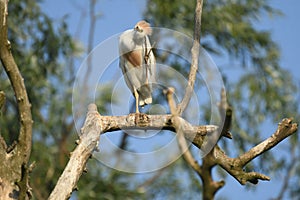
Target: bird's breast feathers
134 57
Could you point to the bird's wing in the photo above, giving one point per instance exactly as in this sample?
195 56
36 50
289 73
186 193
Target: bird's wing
149 59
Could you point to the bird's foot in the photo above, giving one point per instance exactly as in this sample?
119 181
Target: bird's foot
140 119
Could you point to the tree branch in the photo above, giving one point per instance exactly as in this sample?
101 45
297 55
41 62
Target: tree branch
89 139
284 130
210 187
226 114
17 82
195 56
17 159
3 145
91 33
235 166
2 100
95 124
156 122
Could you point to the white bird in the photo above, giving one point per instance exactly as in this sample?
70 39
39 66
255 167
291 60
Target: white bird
137 62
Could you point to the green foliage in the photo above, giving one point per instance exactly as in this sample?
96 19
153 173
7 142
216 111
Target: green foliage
101 184
39 47
36 46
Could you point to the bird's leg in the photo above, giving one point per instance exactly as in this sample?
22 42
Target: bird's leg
136 95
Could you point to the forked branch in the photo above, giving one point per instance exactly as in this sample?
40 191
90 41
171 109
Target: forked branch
95 124
235 166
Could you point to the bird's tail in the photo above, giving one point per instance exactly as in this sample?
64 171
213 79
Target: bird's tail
145 96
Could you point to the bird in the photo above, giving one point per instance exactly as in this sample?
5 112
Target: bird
137 62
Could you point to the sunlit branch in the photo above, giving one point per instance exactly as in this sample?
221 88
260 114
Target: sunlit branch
235 166
195 59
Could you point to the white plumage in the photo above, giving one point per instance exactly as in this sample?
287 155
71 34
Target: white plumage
137 62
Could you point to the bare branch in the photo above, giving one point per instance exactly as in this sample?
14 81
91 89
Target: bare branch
92 26
156 122
195 56
226 113
79 157
285 129
95 124
169 94
235 166
232 166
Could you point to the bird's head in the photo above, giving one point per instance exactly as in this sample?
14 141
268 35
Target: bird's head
143 28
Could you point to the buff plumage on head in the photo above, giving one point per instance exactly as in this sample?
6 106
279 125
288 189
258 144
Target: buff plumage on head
143 26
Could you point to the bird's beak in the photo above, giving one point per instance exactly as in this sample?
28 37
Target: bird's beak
137 28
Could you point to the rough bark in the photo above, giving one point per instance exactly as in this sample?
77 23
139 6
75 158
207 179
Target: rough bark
95 125
156 122
235 166
14 169
79 157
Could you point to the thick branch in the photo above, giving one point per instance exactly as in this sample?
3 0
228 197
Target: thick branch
210 187
95 125
156 122
24 141
14 163
79 157
195 56
3 145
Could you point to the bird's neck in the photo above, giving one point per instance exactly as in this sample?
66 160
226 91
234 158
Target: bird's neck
139 38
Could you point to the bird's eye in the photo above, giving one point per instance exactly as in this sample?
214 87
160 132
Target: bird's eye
137 28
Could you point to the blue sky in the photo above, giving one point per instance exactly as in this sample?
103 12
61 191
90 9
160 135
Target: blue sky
119 15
